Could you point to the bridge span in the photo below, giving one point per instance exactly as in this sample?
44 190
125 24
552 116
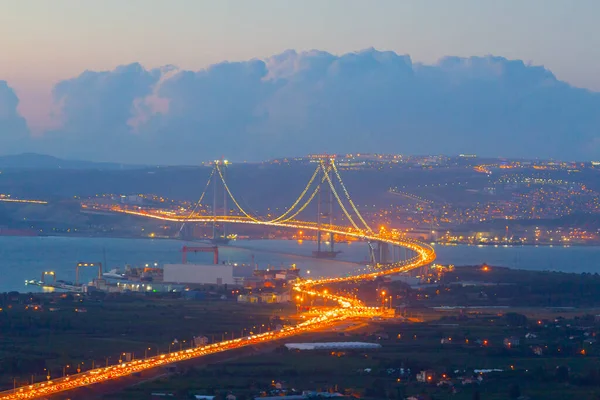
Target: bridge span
347 308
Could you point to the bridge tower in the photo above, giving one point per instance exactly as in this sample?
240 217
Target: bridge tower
187 232
325 214
219 233
383 253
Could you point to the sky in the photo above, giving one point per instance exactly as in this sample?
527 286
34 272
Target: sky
45 42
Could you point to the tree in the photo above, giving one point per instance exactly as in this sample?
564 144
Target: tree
515 319
377 389
562 373
514 391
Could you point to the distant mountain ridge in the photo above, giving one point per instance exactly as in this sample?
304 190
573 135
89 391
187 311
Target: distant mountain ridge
43 161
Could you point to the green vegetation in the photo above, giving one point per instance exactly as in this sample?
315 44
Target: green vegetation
537 329
33 341
561 371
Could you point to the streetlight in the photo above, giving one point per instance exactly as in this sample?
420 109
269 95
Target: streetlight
65 370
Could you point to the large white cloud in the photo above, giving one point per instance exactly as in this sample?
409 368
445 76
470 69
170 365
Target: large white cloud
294 103
96 109
14 134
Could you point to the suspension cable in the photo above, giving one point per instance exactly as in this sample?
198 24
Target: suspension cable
337 197
337 173
233 198
199 200
312 196
289 210
282 218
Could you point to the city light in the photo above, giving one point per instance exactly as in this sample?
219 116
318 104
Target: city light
349 307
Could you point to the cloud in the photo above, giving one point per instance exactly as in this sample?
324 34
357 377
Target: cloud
299 102
14 134
145 108
95 109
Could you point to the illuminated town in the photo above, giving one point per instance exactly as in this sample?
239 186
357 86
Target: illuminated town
465 201
299 200
321 303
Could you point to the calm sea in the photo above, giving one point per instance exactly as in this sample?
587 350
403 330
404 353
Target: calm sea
24 258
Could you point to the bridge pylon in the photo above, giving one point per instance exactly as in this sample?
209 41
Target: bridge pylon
325 214
219 231
383 254
187 232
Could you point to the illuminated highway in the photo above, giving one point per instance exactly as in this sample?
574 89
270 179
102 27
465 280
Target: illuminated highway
348 308
25 201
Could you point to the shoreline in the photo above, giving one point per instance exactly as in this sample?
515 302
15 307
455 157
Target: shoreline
516 245
291 254
294 240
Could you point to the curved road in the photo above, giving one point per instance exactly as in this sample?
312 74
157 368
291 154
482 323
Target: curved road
348 308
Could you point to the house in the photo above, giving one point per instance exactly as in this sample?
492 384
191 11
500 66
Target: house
427 376
247 298
161 395
200 341
269 298
468 381
512 341
537 350
272 297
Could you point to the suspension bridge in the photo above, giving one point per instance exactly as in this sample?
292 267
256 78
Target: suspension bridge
323 184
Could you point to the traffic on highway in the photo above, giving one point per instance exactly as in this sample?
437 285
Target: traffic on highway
348 308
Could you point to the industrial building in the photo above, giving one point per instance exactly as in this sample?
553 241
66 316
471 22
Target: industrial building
219 274
333 346
270 298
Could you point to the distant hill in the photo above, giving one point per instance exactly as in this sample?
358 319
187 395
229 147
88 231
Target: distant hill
42 161
585 221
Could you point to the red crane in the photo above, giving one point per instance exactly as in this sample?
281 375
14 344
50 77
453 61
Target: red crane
200 249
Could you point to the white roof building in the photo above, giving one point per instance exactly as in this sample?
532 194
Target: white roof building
333 346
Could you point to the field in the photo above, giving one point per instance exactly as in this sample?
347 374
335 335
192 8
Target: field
377 374
33 342
536 330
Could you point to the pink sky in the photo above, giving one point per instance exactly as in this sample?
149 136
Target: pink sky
44 42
